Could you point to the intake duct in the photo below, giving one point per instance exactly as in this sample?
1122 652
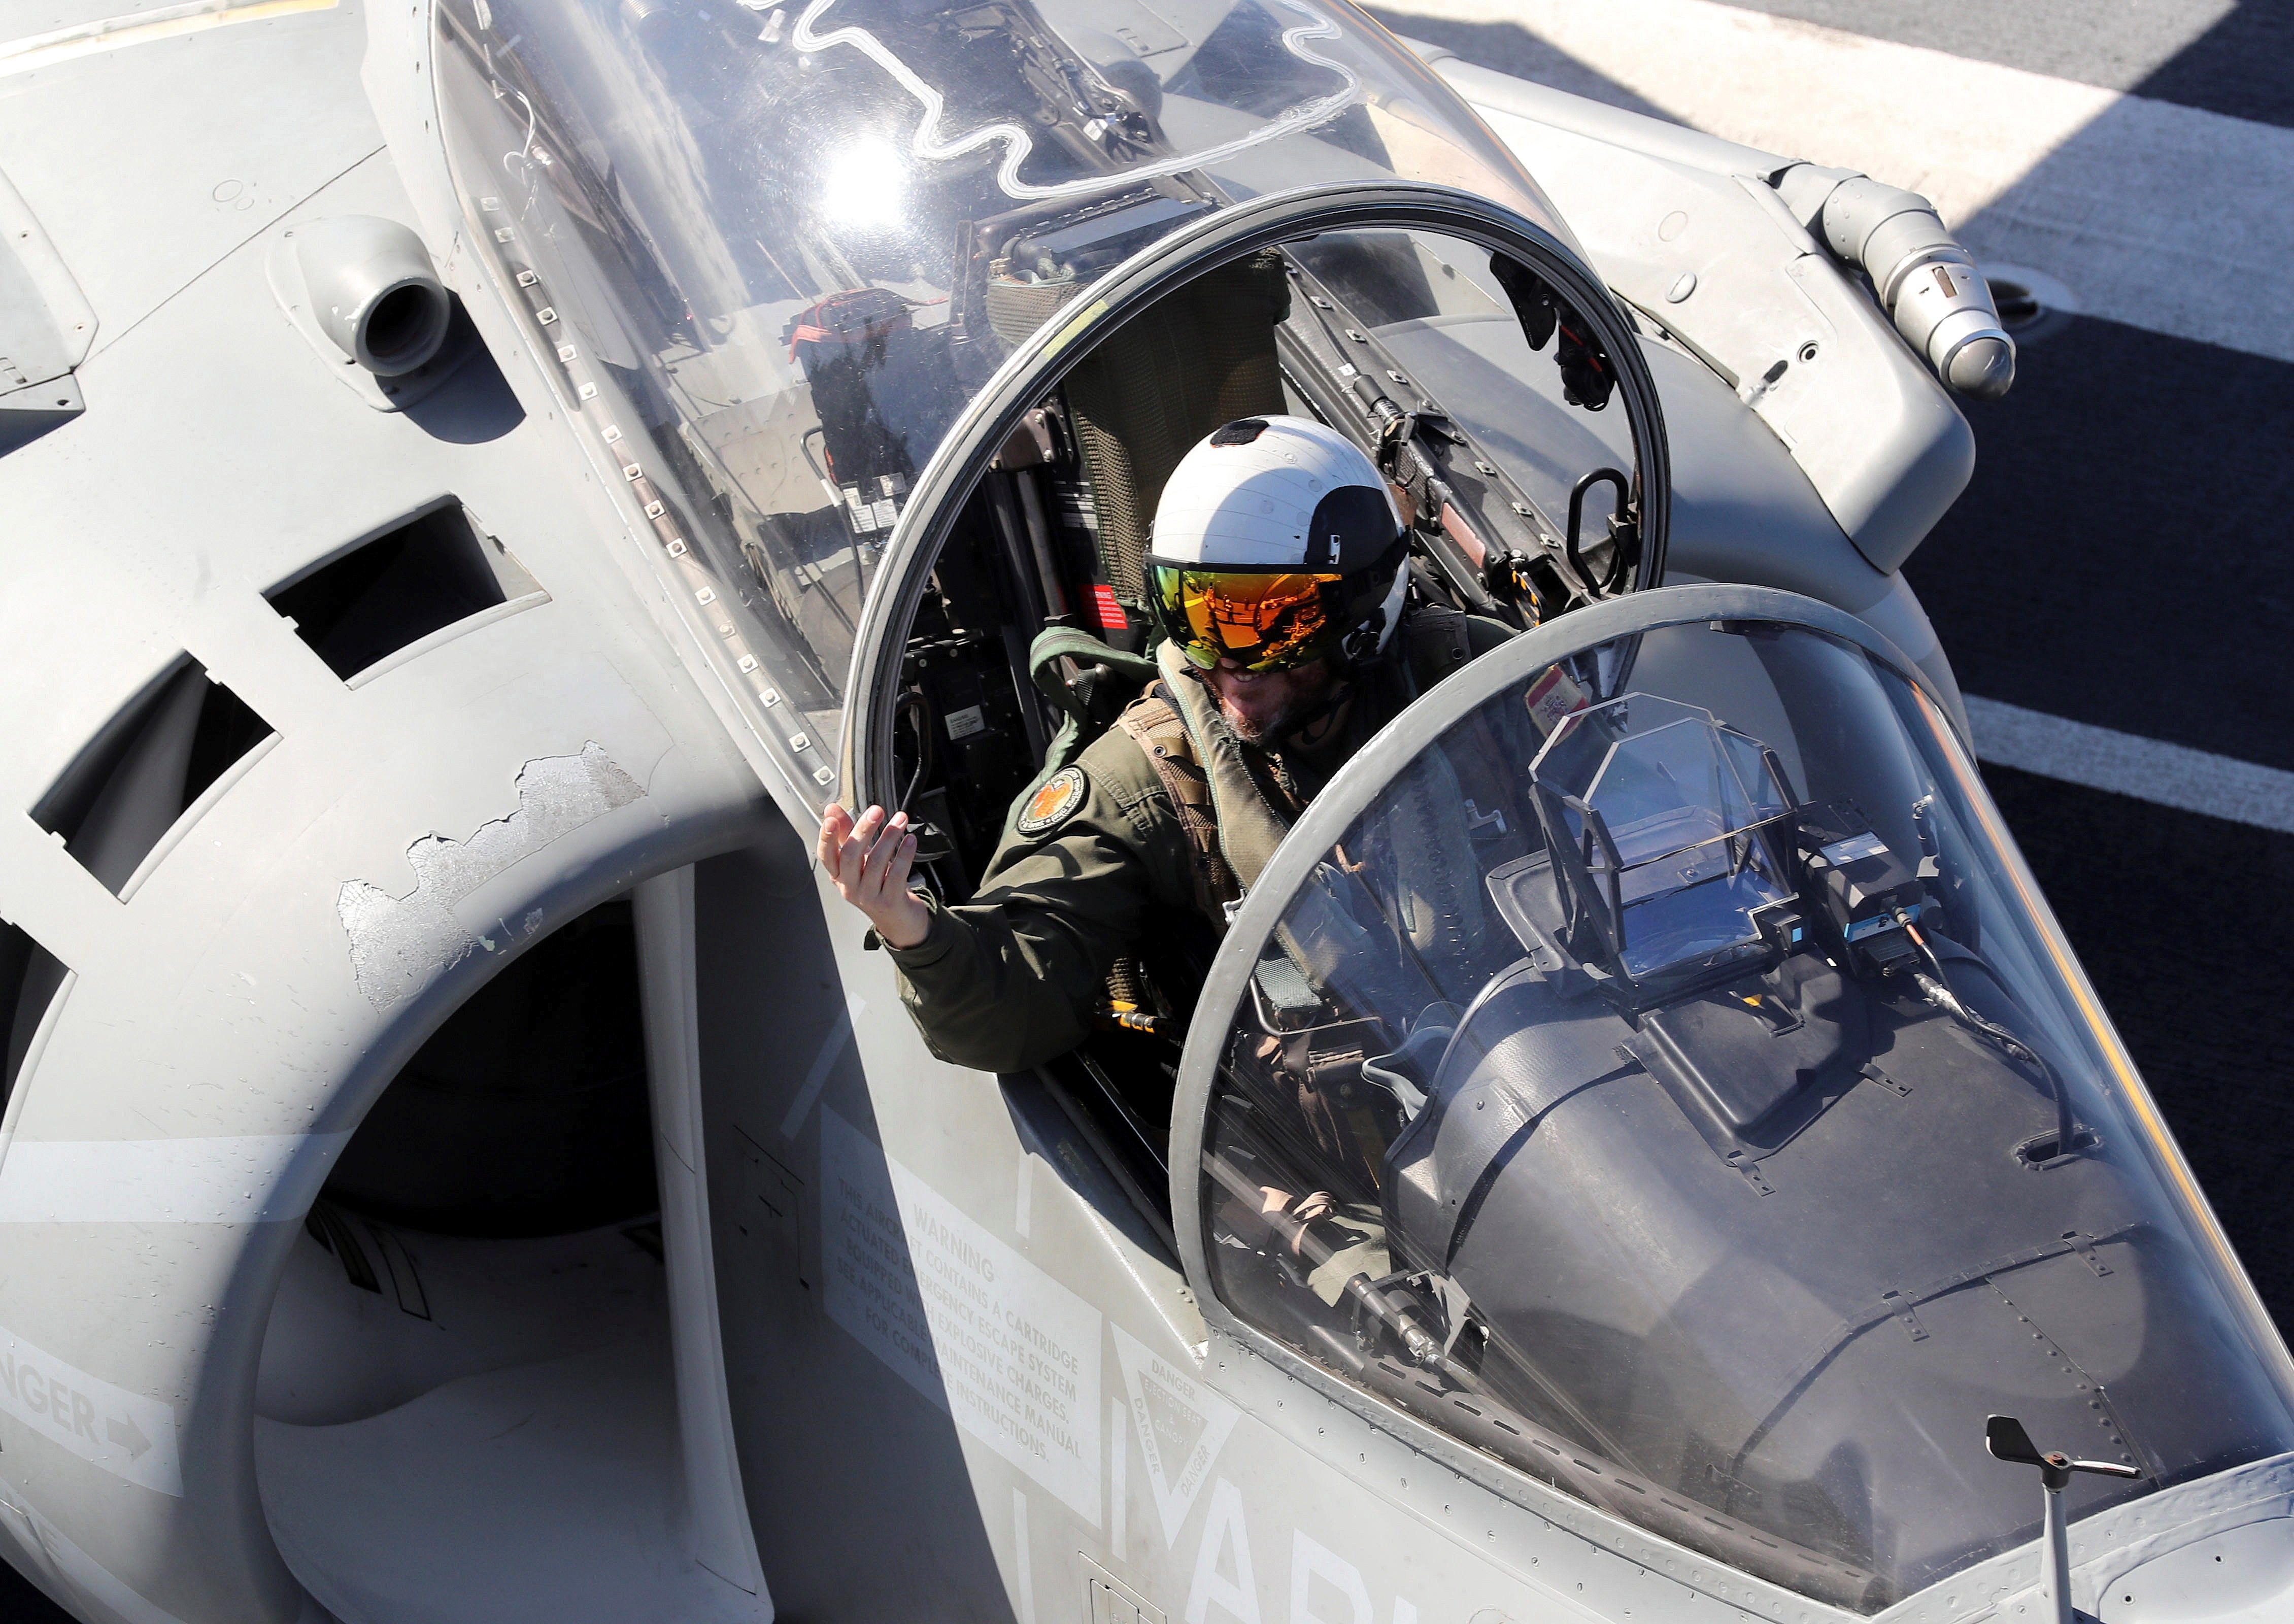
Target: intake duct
1201 355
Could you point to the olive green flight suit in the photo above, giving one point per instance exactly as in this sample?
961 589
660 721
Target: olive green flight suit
1014 978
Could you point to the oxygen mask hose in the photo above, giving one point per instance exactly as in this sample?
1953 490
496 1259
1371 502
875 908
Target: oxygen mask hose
1930 984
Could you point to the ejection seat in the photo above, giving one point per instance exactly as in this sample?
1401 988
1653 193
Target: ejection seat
1201 355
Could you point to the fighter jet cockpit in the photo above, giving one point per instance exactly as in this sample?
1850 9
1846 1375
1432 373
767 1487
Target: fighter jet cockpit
1635 1146
1648 1065
888 414
1660 1075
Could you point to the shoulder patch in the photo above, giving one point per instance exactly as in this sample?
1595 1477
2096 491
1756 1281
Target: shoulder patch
1053 804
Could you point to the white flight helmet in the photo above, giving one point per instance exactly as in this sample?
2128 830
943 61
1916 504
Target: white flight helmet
1275 544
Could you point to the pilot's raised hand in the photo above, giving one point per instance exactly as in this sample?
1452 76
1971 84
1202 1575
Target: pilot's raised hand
869 860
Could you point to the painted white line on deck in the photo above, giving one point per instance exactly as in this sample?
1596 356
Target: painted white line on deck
167 23
2101 759
2158 216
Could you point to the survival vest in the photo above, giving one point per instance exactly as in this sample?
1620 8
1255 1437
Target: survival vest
1231 813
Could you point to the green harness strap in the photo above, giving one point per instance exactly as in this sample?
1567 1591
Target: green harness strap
1438 642
1250 826
1076 727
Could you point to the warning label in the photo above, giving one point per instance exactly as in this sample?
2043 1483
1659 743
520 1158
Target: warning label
1183 1425
125 1433
1006 1350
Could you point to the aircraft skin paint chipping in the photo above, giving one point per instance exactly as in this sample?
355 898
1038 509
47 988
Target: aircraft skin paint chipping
986 1296
398 943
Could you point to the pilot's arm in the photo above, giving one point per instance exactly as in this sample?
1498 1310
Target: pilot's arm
1011 979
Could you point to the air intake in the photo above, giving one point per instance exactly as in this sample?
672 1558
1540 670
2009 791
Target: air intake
133 784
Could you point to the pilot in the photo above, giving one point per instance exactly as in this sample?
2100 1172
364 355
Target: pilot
1276 580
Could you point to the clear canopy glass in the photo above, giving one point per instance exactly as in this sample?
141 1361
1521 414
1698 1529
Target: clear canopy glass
1670 1085
773 251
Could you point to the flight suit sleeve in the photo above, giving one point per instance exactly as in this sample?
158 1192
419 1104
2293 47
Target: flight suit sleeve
1011 979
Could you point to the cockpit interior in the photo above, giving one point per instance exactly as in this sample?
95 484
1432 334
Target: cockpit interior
466 1161
1474 386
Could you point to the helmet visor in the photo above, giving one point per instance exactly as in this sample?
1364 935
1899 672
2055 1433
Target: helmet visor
1263 620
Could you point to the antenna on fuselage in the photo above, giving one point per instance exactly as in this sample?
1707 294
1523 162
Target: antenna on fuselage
2005 1437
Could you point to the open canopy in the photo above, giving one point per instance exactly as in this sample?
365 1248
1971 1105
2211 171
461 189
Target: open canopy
775 253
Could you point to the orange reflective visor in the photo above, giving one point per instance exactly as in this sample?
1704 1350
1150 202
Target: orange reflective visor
1266 620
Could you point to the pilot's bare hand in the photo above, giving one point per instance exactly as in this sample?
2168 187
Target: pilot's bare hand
869 860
